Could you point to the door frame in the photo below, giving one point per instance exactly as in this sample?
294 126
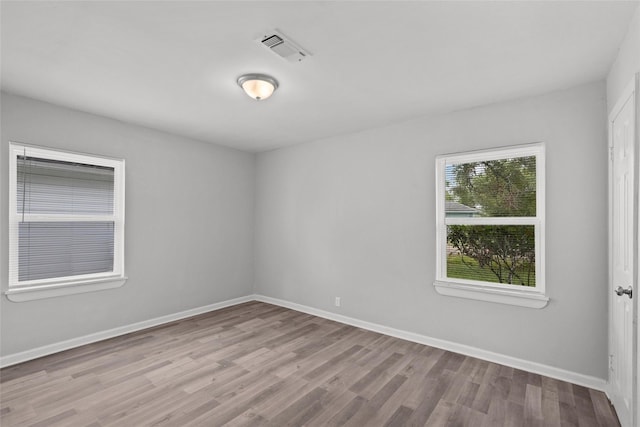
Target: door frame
630 90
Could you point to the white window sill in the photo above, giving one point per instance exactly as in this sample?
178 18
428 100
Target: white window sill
60 289
502 296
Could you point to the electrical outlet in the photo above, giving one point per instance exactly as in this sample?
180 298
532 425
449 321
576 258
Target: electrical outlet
337 302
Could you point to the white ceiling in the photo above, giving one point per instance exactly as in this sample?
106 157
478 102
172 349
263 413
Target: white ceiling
173 65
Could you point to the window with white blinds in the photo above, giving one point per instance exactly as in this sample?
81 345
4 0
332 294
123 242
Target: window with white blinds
490 225
66 225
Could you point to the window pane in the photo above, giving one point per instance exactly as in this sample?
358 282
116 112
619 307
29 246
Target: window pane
57 187
505 187
58 249
490 253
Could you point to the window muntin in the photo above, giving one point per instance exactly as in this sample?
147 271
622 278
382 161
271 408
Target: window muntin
490 220
66 223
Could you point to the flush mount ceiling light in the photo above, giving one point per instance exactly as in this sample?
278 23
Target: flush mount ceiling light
258 86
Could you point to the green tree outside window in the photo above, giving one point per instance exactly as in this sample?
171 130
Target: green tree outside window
493 253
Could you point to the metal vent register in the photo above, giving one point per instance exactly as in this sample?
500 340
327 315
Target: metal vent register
276 42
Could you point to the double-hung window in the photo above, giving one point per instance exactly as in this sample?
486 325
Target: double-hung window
490 225
66 223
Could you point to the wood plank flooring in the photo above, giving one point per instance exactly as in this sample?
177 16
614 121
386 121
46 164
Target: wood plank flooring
256 364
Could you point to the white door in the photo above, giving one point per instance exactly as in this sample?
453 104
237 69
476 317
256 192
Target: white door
623 236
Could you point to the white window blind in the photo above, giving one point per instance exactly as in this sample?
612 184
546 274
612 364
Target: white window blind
60 187
67 217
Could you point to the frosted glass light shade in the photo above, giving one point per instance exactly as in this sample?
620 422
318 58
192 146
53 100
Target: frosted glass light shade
258 86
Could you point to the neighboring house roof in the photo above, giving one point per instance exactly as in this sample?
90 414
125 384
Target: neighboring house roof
455 207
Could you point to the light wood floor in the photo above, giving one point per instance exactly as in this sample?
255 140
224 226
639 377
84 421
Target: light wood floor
257 364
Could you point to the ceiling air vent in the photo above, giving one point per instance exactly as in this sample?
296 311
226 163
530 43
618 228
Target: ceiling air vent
276 42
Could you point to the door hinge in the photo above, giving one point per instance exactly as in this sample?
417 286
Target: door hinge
611 153
611 362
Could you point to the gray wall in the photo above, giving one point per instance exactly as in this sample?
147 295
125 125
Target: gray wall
189 224
627 63
351 216
354 216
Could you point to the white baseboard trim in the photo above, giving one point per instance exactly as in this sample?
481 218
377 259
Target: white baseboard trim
46 350
525 365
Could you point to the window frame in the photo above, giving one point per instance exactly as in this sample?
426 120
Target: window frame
533 297
52 287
